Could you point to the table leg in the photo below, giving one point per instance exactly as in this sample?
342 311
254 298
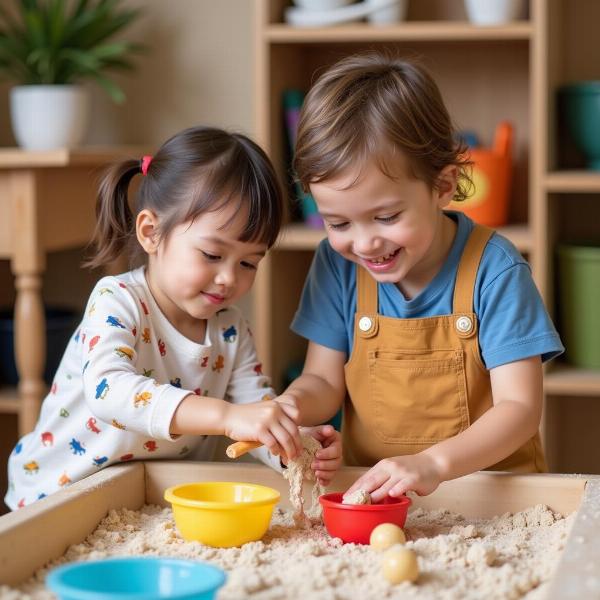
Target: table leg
30 327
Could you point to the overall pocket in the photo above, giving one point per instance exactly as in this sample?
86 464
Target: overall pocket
417 398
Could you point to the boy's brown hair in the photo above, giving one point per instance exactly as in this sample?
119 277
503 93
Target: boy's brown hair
369 106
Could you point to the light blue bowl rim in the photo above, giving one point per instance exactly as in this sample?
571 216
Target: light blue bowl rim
581 87
56 585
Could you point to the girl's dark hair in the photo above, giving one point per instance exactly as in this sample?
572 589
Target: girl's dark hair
198 170
368 106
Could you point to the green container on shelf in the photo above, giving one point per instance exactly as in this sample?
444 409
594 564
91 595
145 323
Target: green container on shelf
579 277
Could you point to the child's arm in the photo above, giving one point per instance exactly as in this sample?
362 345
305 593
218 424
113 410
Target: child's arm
514 418
271 423
320 390
248 412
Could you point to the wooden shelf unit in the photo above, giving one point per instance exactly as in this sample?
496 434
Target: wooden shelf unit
486 74
9 400
278 33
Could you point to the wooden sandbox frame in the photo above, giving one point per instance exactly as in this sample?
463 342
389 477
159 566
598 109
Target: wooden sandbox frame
32 536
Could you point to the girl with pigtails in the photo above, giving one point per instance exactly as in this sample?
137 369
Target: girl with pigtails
162 361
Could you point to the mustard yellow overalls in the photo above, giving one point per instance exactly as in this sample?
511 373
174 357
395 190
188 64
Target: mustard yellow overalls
415 382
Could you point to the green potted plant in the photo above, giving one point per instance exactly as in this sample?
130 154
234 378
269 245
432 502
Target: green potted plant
48 47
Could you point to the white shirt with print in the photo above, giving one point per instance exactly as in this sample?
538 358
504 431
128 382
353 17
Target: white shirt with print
122 376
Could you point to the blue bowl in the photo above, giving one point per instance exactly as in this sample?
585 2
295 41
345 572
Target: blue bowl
137 578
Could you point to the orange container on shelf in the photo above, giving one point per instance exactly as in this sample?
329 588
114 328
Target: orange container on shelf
492 177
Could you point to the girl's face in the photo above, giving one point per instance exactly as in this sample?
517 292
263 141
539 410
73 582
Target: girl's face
202 267
395 228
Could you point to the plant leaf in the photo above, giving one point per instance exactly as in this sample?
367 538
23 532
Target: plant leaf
63 41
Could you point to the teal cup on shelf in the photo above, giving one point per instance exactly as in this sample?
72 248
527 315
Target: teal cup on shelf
581 105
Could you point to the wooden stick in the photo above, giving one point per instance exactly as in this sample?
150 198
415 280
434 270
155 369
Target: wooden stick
238 449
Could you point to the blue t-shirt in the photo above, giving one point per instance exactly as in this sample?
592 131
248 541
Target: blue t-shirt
513 322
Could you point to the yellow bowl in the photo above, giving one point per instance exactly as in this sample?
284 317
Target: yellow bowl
222 513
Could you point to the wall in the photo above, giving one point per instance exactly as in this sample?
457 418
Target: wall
198 69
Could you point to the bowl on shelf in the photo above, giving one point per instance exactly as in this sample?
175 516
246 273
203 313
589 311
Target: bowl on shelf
150 578
353 523
222 514
581 105
494 12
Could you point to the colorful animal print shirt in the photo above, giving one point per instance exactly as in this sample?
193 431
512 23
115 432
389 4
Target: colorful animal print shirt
123 374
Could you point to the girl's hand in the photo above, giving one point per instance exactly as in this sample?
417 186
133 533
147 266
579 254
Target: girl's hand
396 476
329 458
271 423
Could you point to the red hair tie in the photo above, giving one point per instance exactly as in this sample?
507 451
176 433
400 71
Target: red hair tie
146 160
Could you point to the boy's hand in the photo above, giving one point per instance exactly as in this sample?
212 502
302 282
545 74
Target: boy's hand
271 423
398 475
329 458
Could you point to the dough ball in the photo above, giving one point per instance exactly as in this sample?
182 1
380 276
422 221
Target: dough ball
400 564
357 497
384 536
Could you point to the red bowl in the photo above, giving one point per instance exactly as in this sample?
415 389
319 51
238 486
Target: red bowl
354 522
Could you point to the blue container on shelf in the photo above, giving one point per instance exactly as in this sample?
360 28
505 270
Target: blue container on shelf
60 326
136 578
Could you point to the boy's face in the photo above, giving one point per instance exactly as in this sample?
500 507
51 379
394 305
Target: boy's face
395 228
202 267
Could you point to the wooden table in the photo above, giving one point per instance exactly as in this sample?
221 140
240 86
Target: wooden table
47 203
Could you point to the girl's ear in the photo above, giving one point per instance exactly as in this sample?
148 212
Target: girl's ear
146 230
446 185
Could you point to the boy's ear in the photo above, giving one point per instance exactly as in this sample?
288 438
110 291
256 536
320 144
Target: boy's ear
446 185
146 230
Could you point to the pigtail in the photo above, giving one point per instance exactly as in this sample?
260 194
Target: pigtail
115 223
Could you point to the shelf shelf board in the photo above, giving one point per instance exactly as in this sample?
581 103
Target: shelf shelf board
298 237
85 156
9 400
415 31
565 380
573 181
519 235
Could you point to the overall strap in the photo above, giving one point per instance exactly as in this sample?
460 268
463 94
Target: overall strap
366 289
467 269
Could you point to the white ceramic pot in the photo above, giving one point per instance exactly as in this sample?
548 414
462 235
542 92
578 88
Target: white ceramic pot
494 12
388 13
45 117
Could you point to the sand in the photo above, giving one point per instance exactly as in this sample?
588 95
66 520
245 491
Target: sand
510 556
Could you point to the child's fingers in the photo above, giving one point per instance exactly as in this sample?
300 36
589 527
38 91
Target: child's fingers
325 465
329 453
372 480
290 410
379 493
269 441
403 486
322 432
294 432
285 440
387 488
